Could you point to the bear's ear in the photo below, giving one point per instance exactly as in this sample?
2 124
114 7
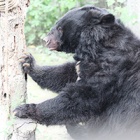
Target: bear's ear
107 19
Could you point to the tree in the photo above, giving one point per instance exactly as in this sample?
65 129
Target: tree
12 80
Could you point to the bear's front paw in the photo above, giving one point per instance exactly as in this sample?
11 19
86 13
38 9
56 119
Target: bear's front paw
25 111
27 62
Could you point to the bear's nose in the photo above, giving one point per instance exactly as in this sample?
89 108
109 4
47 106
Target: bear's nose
46 40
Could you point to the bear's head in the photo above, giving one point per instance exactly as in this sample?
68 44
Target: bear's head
81 29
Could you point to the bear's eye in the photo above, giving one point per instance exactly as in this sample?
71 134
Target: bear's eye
60 29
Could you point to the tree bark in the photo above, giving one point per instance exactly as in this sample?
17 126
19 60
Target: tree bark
12 80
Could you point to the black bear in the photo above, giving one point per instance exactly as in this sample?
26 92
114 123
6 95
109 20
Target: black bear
105 100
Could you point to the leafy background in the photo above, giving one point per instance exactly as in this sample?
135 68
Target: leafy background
42 14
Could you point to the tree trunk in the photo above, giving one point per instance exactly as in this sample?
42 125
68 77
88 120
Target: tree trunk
12 80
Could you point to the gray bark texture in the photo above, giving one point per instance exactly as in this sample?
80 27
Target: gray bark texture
12 80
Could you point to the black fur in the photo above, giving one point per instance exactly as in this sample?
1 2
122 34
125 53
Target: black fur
107 97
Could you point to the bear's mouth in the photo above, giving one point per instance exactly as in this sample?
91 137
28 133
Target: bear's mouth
51 42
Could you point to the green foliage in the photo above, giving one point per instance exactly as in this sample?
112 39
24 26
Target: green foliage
44 56
42 14
119 8
110 2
